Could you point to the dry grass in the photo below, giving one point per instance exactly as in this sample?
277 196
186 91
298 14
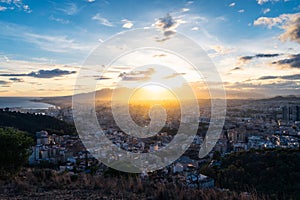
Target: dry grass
49 184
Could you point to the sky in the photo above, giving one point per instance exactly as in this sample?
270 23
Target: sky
254 44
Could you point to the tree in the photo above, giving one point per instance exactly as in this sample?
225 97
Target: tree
14 151
217 155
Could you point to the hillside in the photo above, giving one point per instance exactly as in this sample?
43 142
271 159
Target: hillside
32 123
271 172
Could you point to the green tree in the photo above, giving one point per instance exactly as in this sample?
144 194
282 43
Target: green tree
14 151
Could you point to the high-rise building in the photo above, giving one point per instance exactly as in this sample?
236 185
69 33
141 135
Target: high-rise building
285 113
297 113
291 113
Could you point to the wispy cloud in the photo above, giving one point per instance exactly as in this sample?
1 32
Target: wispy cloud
44 73
260 2
221 49
189 3
236 68
16 80
232 4
159 55
127 23
69 9
54 43
2 8
60 20
103 78
287 77
15 5
51 43
4 82
102 20
174 75
245 59
142 75
266 10
185 9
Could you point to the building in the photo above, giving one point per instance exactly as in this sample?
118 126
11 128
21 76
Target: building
49 148
42 138
199 181
291 113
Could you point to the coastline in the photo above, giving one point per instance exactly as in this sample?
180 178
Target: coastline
24 103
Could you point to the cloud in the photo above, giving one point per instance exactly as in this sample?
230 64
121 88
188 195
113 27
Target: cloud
245 59
168 26
4 58
292 29
290 23
90 1
16 80
287 77
69 9
44 73
232 4
127 23
2 8
51 43
62 21
189 3
103 78
60 44
15 4
291 77
174 75
260 2
4 82
267 77
271 21
241 11
221 49
292 62
185 9
266 10
159 55
285 87
236 68
102 20
137 75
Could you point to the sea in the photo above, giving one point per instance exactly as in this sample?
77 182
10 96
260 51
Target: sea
23 103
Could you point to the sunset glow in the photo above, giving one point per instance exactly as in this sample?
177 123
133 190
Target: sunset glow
252 44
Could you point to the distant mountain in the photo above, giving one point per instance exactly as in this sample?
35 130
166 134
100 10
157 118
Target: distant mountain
66 101
106 95
282 98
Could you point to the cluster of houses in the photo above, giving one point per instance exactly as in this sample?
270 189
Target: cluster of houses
66 152
256 131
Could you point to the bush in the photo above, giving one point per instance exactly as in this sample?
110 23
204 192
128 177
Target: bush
14 151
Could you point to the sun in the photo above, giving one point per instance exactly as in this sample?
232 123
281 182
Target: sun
152 92
155 89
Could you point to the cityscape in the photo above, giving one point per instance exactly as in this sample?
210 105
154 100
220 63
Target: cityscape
251 125
107 99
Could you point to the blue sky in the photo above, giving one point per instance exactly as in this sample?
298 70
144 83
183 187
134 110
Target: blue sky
57 36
